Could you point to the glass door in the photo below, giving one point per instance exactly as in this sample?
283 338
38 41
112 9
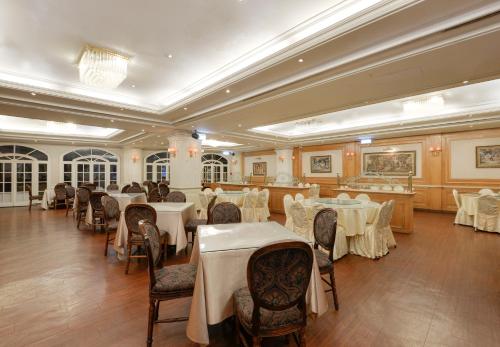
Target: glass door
161 172
207 173
6 198
24 176
82 173
99 174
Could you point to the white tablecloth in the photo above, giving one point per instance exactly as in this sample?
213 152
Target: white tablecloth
48 198
351 218
222 253
231 196
470 200
170 216
124 199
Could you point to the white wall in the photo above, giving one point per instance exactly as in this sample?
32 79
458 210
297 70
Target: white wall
398 148
463 159
269 159
336 163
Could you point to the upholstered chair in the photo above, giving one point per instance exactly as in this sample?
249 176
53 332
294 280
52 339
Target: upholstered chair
60 195
125 188
314 191
164 190
299 197
111 210
204 205
165 282
487 218
461 217
362 197
246 190
176 197
83 195
31 196
112 187
325 231
219 190
70 198
303 221
388 234
192 225
208 190
133 214
486 191
287 202
154 195
134 189
260 207
225 213
274 303
266 207
248 208
97 210
343 196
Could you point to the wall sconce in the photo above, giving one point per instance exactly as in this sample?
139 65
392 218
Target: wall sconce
192 152
172 151
281 158
234 161
135 158
350 155
293 157
435 151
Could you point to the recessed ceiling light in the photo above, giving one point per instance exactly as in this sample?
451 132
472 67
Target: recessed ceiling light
142 130
301 60
228 91
36 140
153 126
161 143
192 126
133 86
465 82
239 125
106 144
112 120
157 135
133 143
170 56
185 108
121 109
33 93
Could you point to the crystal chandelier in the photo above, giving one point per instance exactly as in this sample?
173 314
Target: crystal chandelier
102 68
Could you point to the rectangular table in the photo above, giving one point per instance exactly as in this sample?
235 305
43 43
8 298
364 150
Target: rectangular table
170 216
221 253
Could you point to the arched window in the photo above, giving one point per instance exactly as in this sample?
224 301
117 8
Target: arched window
157 167
90 165
215 168
19 166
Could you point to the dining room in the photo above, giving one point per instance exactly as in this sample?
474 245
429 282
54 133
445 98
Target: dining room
257 173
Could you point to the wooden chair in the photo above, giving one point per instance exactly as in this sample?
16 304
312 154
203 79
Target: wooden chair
111 210
192 224
91 186
176 197
165 283
134 189
32 197
83 194
70 198
97 209
154 195
60 195
164 190
125 188
274 304
112 186
225 213
325 231
133 214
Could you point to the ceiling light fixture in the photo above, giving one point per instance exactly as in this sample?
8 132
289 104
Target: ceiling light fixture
185 108
133 85
301 60
170 56
424 104
465 82
228 91
102 68
33 93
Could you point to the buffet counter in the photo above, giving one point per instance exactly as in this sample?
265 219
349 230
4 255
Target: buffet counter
233 186
402 218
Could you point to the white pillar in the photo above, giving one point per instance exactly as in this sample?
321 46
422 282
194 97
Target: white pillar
132 165
284 166
185 165
235 168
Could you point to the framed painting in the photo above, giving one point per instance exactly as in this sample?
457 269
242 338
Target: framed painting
260 169
488 156
321 164
390 163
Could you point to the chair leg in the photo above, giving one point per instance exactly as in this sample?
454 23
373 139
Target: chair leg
187 243
302 337
79 217
238 331
256 340
106 245
334 290
151 322
129 251
30 205
157 310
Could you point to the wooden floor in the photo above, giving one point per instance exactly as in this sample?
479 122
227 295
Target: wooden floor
439 287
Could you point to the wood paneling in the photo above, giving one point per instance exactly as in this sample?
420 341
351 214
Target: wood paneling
276 195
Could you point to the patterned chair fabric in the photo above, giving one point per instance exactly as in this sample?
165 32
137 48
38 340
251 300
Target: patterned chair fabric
83 194
95 201
325 229
135 213
112 186
89 185
60 191
111 208
134 189
70 192
164 190
278 276
225 213
154 195
125 188
136 184
176 197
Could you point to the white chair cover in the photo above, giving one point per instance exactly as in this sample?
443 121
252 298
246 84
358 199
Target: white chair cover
300 185
204 205
307 185
208 191
487 218
299 197
266 207
248 210
287 202
314 191
486 191
388 234
372 244
343 196
255 190
219 190
260 212
363 197
461 217
302 225
246 190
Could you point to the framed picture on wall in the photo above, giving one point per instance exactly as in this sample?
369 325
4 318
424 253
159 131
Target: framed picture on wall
260 169
390 163
321 164
488 156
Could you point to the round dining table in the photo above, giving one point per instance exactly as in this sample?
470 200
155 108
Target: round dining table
470 202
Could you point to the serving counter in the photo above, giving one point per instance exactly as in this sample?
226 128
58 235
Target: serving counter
402 218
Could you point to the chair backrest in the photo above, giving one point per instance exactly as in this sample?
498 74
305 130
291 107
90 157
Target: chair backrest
83 194
60 191
176 197
261 199
134 189
255 189
28 188
246 190
113 186
362 197
250 200
218 190
136 212
487 204
125 188
154 195
325 229
208 190
343 196
151 235
299 197
225 213
95 200
457 198
212 198
267 193
278 277
164 190
203 200
70 192
307 185
384 216
298 213
287 202
89 185
486 191
136 184
111 208
314 191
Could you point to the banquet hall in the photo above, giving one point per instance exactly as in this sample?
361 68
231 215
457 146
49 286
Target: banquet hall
250 172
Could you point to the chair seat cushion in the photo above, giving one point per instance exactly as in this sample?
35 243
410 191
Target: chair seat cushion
193 224
112 225
175 278
268 319
324 264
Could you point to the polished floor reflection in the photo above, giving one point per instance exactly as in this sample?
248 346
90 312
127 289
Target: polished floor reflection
440 286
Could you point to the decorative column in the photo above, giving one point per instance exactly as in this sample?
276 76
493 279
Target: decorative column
284 166
185 165
132 166
235 174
